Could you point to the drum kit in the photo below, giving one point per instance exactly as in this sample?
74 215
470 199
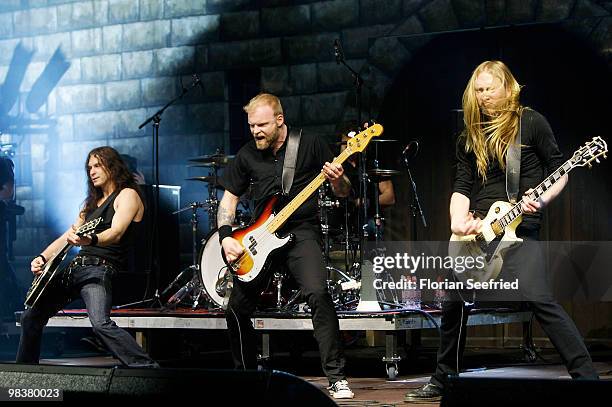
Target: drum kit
205 280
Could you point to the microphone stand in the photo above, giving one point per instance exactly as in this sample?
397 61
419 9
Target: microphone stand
156 119
415 206
362 218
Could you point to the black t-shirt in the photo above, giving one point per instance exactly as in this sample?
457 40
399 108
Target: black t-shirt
264 170
540 155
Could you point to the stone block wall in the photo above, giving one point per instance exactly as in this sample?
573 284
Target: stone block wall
126 58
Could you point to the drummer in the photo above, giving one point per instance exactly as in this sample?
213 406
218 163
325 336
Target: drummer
386 193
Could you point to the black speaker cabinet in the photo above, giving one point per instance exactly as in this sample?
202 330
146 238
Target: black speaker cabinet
499 392
140 279
203 386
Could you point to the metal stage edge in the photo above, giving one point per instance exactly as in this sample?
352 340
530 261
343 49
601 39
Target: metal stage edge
391 322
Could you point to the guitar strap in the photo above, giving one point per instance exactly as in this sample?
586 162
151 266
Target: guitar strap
293 145
513 166
102 207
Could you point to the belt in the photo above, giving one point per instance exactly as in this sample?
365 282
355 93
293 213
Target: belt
89 261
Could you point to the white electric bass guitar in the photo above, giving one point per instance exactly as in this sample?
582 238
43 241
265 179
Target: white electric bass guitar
498 235
260 240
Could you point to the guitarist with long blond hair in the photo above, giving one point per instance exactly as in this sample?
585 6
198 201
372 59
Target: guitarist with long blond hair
494 118
113 198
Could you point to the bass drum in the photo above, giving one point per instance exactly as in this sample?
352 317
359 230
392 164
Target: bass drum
212 266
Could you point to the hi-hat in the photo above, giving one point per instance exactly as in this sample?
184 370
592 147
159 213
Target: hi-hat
219 160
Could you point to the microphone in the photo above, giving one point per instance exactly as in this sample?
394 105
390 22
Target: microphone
180 294
337 51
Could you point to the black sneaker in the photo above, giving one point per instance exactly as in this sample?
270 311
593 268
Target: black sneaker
430 393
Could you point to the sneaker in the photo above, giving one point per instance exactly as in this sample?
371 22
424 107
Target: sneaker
341 390
430 393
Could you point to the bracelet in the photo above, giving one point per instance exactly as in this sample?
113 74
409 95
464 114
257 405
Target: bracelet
94 239
41 256
224 231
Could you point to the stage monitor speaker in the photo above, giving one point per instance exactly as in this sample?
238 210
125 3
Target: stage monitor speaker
138 280
211 387
501 392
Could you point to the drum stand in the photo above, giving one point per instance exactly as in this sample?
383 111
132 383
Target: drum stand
193 287
346 282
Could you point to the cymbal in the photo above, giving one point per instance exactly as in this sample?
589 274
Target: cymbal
209 165
382 173
382 140
207 178
213 159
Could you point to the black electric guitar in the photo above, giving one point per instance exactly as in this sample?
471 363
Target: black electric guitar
498 235
260 240
50 271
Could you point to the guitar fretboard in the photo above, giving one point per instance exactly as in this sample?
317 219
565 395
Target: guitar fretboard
280 219
537 192
357 143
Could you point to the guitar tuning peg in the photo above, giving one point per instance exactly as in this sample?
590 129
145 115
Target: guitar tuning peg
597 160
590 165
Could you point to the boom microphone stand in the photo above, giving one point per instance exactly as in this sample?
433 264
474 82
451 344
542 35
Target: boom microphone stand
156 119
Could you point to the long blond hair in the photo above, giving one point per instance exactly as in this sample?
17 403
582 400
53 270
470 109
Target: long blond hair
490 136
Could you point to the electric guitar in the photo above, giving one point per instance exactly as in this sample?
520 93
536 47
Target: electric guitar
498 234
260 240
50 271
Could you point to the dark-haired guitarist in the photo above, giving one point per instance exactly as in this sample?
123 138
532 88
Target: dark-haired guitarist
113 196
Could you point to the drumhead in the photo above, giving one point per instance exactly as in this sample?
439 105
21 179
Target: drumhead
212 266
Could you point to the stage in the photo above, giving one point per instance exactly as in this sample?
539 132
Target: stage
369 378
369 391
392 323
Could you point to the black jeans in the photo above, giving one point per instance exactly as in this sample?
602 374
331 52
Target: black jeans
93 284
305 263
528 266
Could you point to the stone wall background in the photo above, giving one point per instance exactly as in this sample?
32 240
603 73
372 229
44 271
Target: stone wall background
126 57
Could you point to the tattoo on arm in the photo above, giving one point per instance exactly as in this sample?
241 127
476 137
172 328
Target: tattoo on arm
342 188
225 216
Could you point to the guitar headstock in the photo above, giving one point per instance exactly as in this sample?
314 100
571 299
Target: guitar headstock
88 227
592 150
360 141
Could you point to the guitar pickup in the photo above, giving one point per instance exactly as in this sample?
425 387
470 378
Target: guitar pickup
252 245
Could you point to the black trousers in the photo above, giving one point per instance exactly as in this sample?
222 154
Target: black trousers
526 264
93 284
305 262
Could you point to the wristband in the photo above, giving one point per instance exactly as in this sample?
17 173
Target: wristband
41 256
94 239
224 231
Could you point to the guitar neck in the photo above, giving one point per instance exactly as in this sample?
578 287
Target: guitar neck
282 217
537 192
63 251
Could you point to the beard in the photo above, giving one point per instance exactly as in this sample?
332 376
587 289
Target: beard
268 139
